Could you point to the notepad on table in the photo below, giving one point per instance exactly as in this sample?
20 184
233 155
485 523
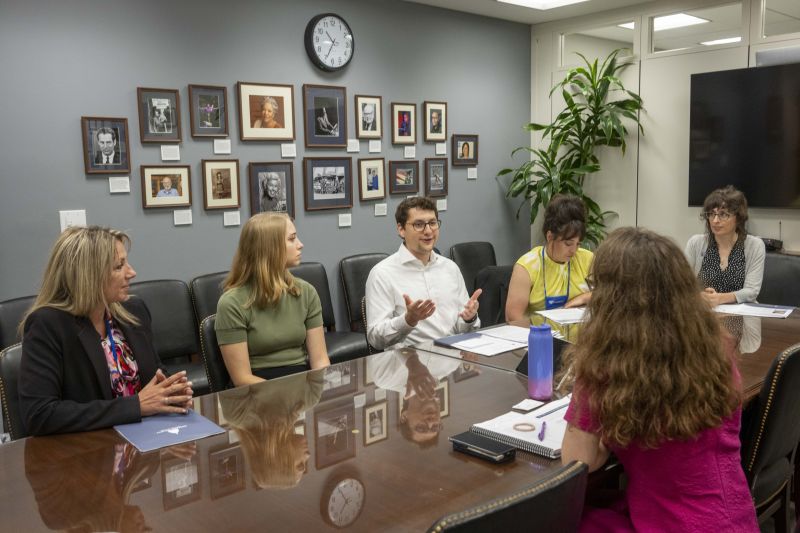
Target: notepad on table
762 310
160 431
573 315
480 344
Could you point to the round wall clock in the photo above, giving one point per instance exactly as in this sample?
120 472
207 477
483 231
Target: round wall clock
329 42
342 499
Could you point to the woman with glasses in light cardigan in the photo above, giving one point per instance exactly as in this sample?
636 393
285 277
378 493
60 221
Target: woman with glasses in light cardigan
728 262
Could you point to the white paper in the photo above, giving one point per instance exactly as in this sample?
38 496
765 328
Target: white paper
345 221
170 152
441 148
509 333
288 150
119 184
410 152
375 146
222 146
472 173
353 145
441 205
380 210
572 315
527 405
488 346
231 218
182 217
762 310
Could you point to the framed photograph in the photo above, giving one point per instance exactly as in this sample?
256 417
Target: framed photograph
221 183
327 183
325 115
369 117
271 187
371 179
226 467
166 186
369 378
335 440
180 481
403 177
376 423
442 393
435 176
435 121
266 112
208 110
159 115
465 150
106 149
404 123
466 370
340 380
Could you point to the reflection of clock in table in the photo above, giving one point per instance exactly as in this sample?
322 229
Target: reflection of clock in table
343 497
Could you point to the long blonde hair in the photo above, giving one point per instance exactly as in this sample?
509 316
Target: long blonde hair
260 260
649 360
78 270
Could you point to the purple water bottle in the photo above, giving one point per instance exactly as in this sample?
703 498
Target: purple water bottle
540 362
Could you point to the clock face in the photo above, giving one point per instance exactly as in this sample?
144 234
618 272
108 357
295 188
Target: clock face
345 502
329 42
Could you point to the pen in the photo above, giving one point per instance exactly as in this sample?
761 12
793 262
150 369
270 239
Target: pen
560 407
541 433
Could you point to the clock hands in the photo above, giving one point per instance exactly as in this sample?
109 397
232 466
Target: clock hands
333 43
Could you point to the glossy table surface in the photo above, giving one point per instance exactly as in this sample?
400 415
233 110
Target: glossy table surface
337 446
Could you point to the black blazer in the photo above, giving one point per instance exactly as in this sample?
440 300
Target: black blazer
98 158
64 384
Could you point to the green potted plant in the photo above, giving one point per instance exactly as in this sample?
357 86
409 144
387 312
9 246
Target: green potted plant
597 106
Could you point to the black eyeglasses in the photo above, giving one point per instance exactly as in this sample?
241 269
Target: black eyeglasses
419 225
709 215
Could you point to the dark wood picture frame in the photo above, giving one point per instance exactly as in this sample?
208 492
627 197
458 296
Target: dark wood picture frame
371 189
381 407
362 128
340 380
432 133
170 467
259 185
251 98
400 170
404 131
435 184
152 183
322 129
159 115
321 189
208 110
226 470
223 191
333 433
460 140
93 157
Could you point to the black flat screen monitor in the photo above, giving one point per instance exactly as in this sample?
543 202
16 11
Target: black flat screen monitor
745 132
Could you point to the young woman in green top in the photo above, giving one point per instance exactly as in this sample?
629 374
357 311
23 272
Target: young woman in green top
269 323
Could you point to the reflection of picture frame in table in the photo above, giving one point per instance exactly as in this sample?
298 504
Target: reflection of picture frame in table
208 110
276 177
334 438
159 115
101 134
404 123
221 183
340 380
435 132
371 179
466 370
327 183
376 423
442 392
226 470
369 378
180 481
403 177
465 150
435 176
325 116
157 192
364 129
266 111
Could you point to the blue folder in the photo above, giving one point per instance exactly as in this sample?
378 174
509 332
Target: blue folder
159 431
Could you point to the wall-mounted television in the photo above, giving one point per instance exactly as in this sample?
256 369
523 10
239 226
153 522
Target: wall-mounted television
745 132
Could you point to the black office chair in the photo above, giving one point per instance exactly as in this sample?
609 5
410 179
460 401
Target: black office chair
553 504
214 364
342 345
174 328
10 359
770 433
354 271
471 257
494 281
779 285
206 291
370 348
11 313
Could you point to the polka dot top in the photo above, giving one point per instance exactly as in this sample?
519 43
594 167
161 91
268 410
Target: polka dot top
729 280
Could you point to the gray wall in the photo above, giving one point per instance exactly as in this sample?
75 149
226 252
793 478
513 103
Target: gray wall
62 60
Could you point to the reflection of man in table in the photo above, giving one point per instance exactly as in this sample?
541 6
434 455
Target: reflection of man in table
107 144
436 121
271 188
368 117
166 188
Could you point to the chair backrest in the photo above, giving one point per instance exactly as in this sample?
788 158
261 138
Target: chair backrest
206 291
772 431
315 274
10 358
216 371
553 504
370 348
779 285
494 281
471 257
354 271
173 323
11 312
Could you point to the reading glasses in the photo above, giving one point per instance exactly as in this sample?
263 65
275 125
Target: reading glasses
419 225
709 215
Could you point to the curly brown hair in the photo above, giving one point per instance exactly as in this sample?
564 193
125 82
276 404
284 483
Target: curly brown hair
650 360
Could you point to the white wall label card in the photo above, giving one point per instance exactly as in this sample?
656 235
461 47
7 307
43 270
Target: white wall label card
375 146
69 219
170 152
472 173
380 394
441 148
359 400
380 210
441 205
231 218
222 146
353 145
182 217
410 152
288 150
119 184
346 220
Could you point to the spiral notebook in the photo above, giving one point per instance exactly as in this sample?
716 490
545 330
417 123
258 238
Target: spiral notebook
502 429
